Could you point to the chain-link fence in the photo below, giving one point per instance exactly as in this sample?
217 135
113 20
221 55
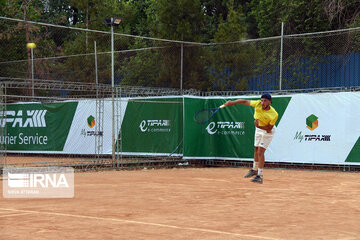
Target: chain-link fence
301 61
321 60
96 126
90 115
75 66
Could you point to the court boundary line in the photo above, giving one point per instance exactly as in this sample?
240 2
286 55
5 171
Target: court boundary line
141 223
16 214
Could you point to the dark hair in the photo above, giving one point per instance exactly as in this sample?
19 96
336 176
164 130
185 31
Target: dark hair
267 96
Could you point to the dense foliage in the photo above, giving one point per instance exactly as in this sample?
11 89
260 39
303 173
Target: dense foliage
205 21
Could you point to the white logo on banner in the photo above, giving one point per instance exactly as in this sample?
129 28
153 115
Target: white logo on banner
155 126
312 124
35 118
225 128
210 128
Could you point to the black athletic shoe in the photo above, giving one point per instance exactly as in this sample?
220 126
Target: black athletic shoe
257 179
250 173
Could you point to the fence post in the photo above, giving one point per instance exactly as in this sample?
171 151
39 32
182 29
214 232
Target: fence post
281 54
2 129
112 93
96 67
181 66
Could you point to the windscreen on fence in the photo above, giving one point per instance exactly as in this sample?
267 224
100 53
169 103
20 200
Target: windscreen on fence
311 128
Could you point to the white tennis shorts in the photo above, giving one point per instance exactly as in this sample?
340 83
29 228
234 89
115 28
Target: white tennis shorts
263 138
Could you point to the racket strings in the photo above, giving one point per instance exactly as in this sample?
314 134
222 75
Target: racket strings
203 115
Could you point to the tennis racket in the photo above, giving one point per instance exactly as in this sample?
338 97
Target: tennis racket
204 115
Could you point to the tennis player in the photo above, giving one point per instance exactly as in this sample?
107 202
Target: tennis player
265 119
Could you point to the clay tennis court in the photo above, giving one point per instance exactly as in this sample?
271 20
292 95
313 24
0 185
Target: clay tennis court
192 203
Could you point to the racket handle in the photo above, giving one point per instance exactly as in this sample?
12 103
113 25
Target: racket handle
222 106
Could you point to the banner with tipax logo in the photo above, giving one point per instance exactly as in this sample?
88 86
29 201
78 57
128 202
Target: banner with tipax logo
152 126
33 118
229 133
36 127
318 128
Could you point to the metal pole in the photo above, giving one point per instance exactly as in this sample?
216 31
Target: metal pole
112 91
97 107
3 129
181 89
96 67
32 71
112 54
281 54
119 128
181 66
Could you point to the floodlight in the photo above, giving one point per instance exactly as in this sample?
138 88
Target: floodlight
115 21
107 21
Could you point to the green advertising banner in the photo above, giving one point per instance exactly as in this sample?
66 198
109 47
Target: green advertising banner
229 134
36 126
152 126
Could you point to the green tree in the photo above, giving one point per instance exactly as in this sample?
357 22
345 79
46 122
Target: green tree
342 13
61 12
300 16
141 69
230 63
179 20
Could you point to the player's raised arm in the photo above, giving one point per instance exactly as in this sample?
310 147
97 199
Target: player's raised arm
238 101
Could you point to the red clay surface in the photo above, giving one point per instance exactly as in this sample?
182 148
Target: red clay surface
193 203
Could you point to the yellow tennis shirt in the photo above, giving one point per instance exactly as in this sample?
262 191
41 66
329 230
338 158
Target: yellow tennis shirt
265 117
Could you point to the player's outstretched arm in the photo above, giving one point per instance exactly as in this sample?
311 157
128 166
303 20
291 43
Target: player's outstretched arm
238 101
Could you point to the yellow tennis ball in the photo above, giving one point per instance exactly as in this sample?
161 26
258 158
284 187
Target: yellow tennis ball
31 45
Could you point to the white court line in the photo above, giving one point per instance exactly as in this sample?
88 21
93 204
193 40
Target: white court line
16 214
143 223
